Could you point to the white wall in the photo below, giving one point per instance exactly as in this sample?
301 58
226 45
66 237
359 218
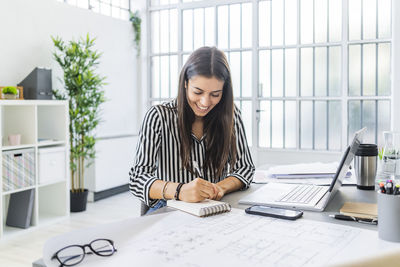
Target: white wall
25 43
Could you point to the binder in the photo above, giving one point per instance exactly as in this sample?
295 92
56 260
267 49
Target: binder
20 208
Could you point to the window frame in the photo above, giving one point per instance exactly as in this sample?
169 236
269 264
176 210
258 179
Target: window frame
279 155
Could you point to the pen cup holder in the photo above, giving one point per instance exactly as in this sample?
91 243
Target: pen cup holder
389 217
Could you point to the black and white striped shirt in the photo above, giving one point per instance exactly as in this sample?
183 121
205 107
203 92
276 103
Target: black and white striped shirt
158 153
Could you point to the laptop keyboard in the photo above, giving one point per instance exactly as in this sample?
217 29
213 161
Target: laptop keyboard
301 194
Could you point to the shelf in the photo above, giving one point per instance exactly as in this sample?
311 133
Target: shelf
18 190
6 148
50 143
35 120
52 183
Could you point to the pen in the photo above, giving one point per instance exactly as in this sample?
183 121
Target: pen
355 219
396 190
389 187
197 169
382 187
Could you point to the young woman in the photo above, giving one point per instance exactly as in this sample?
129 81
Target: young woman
194 147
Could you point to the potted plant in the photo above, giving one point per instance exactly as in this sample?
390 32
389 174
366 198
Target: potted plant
10 92
83 90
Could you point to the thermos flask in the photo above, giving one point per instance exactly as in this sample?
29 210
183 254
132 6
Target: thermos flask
365 165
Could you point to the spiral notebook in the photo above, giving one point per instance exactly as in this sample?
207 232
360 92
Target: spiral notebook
202 209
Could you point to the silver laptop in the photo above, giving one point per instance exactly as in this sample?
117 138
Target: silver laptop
304 196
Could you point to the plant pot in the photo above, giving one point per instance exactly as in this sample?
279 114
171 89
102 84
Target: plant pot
78 200
10 96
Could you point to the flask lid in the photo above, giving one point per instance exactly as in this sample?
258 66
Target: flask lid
367 150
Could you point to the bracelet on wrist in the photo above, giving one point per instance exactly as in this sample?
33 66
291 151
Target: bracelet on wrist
164 190
178 190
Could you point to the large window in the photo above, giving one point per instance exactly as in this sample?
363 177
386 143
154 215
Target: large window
306 75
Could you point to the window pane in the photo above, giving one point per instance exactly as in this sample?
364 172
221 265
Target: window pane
264 124
82 3
185 58
335 21
354 19
335 71
164 31
290 72
234 26
155 77
335 125
247 111
306 124
264 27
105 9
247 29
354 70
384 69
246 74
306 17
383 119
264 73
384 19
369 69
306 77
277 124
320 71
277 22
164 83
209 26
320 124
290 22
187 33
198 28
369 121
354 118
290 124
223 27
173 30
155 31
174 75
234 63
321 21
369 19
277 72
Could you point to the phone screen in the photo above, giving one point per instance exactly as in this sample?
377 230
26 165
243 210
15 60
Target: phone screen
275 211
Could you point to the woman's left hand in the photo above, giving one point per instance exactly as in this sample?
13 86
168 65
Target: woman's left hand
219 192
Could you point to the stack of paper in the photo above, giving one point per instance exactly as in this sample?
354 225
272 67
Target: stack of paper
307 173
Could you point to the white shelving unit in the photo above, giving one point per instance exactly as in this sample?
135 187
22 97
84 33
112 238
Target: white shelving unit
42 124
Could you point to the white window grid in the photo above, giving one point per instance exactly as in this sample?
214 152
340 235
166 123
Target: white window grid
345 99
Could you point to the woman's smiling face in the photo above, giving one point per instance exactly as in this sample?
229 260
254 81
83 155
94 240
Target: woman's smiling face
203 94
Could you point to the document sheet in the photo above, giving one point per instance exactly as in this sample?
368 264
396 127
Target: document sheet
229 239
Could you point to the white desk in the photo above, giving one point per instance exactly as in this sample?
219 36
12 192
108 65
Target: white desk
122 230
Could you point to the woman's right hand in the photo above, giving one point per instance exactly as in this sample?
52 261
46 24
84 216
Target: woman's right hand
197 190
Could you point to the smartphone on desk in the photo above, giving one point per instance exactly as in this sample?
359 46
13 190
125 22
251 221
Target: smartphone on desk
274 212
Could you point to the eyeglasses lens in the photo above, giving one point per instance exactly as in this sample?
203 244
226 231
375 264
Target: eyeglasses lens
71 255
102 247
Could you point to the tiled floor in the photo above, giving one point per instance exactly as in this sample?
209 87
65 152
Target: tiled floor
22 250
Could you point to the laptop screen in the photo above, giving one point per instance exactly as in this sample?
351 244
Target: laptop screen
346 161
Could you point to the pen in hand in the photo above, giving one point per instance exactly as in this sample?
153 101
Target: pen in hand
355 219
197 169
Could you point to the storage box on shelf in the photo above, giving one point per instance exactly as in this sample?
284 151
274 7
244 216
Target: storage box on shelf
39 162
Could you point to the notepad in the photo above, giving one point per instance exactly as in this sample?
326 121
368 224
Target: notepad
205 208
360 210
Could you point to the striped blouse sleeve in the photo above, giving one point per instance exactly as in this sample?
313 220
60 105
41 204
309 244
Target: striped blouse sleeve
142 174
244 167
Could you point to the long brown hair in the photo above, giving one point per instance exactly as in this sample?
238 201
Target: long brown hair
218 123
